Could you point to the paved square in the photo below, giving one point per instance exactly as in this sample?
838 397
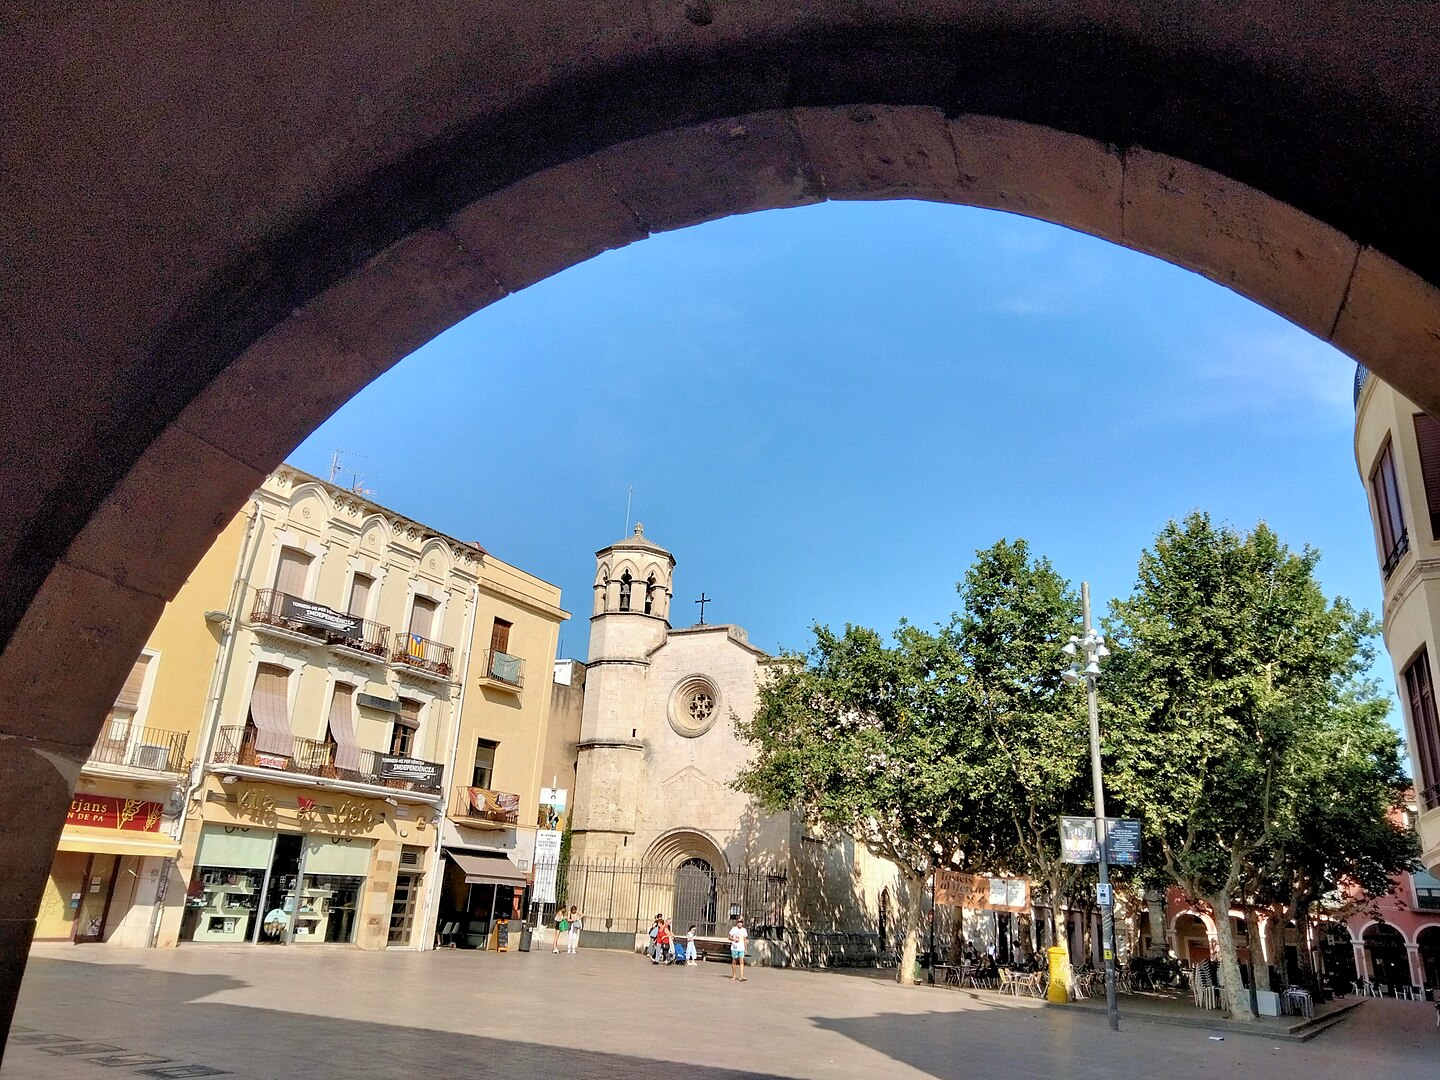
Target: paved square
246 1012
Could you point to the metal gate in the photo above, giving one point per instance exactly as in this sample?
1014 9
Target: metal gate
618 901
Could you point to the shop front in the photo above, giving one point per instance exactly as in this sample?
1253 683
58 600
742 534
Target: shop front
273 867
108 870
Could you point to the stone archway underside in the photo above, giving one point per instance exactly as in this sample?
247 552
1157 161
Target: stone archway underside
223 224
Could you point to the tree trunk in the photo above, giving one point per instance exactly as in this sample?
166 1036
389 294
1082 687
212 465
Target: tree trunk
1237 998
914 906
1305 958
1258 973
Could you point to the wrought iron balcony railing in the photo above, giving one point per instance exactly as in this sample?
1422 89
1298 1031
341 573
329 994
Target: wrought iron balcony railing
301 616
236 746
1430 797
483 804
1402 545
1361 374
140 748
422 653
504 668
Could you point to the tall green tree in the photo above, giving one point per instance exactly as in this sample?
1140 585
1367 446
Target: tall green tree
1027 731
859 740
1338 827
1225 650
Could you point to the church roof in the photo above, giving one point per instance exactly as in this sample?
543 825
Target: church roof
735 633
637 541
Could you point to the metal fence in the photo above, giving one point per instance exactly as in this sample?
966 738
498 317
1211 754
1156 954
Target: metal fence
618 901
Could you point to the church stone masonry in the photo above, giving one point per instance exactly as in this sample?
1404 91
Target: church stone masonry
658 753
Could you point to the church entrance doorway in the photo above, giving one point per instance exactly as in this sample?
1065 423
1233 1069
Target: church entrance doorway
697 897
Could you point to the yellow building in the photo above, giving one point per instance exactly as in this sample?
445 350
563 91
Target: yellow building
488 834
324 767
1397 450
116 854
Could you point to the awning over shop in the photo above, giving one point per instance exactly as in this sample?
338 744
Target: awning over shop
488 869
113 843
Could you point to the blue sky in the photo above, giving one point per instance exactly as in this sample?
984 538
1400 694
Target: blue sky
825 411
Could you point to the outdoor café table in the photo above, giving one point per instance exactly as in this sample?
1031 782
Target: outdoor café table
949 974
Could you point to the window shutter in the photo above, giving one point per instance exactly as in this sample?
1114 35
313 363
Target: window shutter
294 569
1427 438
270 711
422 617
129 698
360 595
500 636
342 728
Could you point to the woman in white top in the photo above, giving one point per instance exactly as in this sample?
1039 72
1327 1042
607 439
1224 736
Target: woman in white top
574 928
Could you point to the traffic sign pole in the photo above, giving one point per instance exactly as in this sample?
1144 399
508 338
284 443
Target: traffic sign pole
1107 911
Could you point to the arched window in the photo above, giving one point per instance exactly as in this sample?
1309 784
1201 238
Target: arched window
625 591
650 595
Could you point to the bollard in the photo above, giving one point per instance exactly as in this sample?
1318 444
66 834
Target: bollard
1059 989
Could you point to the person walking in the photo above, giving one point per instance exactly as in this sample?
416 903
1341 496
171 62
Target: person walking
692 954
655 939
562 927
738 938
574 929
665 940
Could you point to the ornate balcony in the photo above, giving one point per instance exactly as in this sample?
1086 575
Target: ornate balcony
316 622
423 655
236 746
481 806
503 670
151 749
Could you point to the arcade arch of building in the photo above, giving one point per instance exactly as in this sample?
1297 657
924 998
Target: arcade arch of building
212 251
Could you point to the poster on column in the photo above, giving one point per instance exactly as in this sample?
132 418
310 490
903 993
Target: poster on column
547 864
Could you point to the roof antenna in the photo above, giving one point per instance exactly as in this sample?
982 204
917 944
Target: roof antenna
629 494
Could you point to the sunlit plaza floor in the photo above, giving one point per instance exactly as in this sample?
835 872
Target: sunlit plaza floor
94 1011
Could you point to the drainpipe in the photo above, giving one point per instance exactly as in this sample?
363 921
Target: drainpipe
219 675
432 871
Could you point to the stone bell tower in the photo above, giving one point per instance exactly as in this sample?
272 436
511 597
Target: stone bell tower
630 620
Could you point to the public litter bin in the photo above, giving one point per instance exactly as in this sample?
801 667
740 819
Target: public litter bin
525 933
1059 989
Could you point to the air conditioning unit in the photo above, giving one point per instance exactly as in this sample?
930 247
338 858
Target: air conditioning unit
156 758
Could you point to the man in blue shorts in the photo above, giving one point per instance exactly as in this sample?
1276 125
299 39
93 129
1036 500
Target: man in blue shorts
738 937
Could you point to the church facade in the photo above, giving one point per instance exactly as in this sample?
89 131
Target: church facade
657 756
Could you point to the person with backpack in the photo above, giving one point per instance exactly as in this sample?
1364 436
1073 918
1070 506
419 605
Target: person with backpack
655 939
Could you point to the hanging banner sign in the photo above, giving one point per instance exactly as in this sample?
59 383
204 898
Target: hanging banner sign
979 892
1122 841
318 615
1078 843
547 865
398 767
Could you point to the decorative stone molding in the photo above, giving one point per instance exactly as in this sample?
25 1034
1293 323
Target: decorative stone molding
694 705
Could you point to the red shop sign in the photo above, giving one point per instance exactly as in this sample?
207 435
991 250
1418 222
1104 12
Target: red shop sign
113 812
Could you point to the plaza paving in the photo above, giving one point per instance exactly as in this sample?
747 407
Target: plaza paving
93 1011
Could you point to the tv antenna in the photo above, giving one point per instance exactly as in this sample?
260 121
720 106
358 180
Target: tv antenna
339 468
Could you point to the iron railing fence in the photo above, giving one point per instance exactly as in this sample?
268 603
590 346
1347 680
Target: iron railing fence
619 900
140 748
502 667
422 653
301 616
236 746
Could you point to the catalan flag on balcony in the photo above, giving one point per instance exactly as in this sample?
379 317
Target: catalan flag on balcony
416 647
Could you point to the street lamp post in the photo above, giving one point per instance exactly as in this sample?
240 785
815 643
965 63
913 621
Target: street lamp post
1092 645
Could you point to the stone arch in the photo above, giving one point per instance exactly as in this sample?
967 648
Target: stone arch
310 508
437 550
676 846
1288 157
374 537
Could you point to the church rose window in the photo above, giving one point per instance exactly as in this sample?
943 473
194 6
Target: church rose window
694 705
